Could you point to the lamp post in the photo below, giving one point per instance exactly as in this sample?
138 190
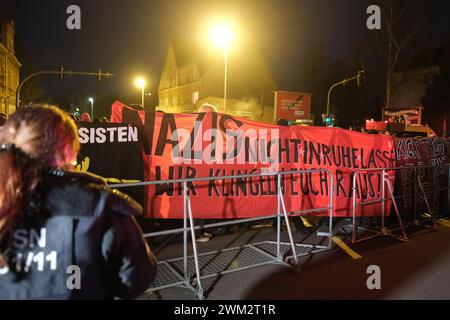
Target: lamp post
140 82
221 36
91 100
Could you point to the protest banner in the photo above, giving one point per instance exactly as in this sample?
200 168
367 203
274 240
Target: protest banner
179 146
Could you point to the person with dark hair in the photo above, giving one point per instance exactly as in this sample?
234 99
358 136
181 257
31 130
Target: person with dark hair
85 117
63 235
136 106
2 119
283 122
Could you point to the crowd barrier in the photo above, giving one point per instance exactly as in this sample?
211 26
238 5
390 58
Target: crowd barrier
432 213
189 270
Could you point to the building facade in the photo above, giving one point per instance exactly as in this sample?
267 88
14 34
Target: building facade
9 68
193 74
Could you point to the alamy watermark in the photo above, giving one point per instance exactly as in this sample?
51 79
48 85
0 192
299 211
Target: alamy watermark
74 280
374 280
373 22
73 21
234 146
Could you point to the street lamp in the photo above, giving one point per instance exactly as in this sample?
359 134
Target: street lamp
140 82
327 118
222 36
91 100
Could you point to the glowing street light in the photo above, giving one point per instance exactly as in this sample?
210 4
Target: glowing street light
91 100
222 36
140 82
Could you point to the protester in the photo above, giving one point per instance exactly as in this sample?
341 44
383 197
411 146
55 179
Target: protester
206 107
85 117
2 119
63 235
136 106
74 117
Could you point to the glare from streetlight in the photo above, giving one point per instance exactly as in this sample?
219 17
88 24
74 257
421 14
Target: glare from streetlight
91 100
140 82
222 36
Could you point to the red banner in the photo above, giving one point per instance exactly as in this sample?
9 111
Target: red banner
177 146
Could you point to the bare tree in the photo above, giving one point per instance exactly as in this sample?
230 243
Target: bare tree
400 24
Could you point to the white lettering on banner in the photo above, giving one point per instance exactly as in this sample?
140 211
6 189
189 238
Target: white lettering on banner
103 135
122 133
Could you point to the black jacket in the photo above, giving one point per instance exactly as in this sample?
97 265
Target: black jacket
83 243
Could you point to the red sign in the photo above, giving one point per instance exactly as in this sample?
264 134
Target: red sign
178 146
292 105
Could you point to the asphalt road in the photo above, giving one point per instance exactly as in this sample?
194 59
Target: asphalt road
415 269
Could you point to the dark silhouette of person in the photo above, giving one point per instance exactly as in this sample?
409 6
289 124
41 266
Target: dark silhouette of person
63 235
3 118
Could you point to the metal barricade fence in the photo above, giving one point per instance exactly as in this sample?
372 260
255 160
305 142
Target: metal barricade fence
418 187
178 272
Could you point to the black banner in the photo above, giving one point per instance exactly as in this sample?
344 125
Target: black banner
112 151
430 179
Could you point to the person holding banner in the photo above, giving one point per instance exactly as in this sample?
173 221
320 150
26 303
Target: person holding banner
63 235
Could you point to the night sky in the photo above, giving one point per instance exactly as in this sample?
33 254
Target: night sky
131 37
